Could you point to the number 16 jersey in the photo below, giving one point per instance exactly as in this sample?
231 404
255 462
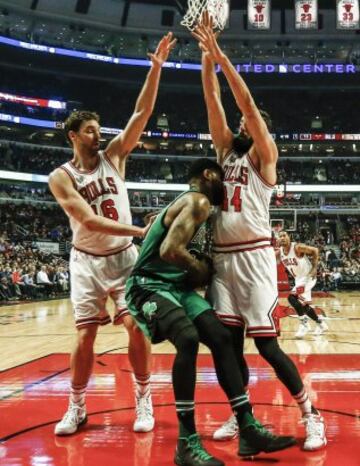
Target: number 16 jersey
242 223
105 191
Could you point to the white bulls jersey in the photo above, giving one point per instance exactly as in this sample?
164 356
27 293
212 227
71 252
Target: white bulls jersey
242 223
105 191
299 267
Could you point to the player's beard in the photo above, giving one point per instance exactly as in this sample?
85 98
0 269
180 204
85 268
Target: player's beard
242 143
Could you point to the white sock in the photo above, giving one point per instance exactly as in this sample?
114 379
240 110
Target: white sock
302 399
142 385
77 395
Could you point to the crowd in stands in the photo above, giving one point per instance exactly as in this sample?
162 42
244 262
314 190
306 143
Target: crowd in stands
28 273
167 169
338 266
181 99
313 172
34 222
25 193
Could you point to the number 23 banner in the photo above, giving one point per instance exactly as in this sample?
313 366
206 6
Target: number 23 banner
259 14
347 14
306 14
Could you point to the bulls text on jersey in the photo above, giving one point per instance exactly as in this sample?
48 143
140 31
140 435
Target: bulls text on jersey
97 188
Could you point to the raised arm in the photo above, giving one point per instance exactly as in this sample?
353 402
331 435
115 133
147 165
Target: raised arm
183 225
265 154
221 134
312 252
121 146
75 206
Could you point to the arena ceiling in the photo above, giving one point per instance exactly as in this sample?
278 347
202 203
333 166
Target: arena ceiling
236 4
116 28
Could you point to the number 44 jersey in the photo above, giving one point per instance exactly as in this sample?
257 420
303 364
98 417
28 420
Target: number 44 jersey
242 222
105 191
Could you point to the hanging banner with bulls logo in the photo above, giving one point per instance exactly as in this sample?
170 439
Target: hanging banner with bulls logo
347 14
259 14
306 14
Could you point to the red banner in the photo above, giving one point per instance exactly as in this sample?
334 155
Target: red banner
347 14
259 12
306 14
32 101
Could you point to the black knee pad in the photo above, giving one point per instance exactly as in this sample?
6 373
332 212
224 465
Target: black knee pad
186 339
212 332
295 303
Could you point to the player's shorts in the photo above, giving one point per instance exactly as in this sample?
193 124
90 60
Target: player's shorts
244 290
302 289
151 300
93 279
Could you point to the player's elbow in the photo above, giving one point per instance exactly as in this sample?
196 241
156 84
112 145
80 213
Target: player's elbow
89 222
167 253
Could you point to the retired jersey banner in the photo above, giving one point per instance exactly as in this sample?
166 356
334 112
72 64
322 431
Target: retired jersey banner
306 14
347 14
259 14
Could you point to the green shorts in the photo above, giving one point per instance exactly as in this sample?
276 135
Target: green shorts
149 301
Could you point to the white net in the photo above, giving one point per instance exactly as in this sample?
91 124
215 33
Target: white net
218 9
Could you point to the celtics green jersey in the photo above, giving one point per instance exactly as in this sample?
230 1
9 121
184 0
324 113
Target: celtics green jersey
149 262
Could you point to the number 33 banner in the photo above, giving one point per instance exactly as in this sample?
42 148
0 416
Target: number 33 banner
347 14
259 14
306 14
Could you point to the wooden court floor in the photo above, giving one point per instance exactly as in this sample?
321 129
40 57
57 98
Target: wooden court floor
35 339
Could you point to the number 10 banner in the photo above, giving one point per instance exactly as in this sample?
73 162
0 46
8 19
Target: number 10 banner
306 14
259 14
347 14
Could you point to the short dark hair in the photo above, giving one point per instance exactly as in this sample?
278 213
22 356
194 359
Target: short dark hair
75 119
198 166
284 231
267 119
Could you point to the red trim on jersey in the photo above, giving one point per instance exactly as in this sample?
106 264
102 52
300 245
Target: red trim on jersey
227 155
107 158
120 314
93 321
244 250
266 183
261 327
71 176
230 316
259 240
270 334
270 330
86 172
229 320
110 253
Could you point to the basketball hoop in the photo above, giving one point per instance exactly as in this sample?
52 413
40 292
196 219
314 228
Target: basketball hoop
218 9
277 225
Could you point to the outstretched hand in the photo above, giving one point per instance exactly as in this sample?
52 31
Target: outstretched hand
166 44
207 38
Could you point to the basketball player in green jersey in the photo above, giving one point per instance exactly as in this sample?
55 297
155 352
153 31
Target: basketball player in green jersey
161 298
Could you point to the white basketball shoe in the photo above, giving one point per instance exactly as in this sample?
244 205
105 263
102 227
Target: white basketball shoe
321 327
228 430
304 328
315 432
74 417
144 421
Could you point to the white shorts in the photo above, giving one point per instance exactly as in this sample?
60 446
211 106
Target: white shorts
302 289
93 279
244 290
